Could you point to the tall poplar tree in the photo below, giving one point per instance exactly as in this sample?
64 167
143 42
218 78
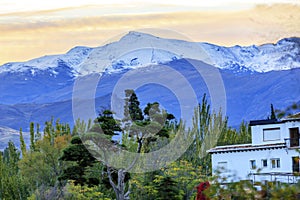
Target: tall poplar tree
32 141
22 143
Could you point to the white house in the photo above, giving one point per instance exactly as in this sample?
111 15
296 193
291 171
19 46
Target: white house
273 154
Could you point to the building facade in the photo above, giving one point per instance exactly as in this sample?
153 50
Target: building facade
273 154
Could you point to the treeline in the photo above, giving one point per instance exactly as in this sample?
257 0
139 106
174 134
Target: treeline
57 165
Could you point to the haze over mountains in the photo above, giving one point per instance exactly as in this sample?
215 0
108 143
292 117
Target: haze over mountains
253 76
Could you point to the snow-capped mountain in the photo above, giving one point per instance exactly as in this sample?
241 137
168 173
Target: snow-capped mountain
72 59
140 49
253 77
283 55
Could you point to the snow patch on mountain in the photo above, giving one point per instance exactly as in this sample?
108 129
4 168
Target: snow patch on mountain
72 58
139 49
136 50
141 58
283 55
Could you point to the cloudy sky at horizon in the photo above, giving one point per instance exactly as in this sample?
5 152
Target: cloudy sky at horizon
32 29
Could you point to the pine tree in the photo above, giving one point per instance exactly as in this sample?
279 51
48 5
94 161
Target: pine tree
77 153
133 115
167 189
108 124
134 110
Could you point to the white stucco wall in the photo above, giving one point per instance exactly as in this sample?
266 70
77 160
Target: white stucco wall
238 163
257 132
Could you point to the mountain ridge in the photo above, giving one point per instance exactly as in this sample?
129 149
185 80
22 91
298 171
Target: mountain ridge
85 60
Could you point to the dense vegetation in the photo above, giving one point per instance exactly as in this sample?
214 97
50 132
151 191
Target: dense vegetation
57 165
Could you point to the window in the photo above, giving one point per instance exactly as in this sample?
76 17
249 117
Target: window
253 164
294 137
275 163
271 134
222 165
296 164
264 163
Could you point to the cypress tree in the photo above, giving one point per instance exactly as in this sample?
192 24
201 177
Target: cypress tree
38 133
32 145
273 116
22 143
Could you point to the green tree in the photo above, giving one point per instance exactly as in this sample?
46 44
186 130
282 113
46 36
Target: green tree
81 158
38 133
167 188
185 175
49 131
143 186
101 135
134 109
199 129
32 140
206 132
231 136
273 115
245 133
11 156
289 111
12 184
80 127
22 143
41 167
109 126
84 192
139 131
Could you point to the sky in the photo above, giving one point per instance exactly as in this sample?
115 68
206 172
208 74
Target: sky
30 29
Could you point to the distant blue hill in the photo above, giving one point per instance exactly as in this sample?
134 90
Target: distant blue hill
248 95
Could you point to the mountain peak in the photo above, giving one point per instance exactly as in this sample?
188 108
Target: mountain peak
79 49
289 40
134 36
138 34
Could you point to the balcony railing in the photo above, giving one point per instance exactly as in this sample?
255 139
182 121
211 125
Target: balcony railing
292 142
290 178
